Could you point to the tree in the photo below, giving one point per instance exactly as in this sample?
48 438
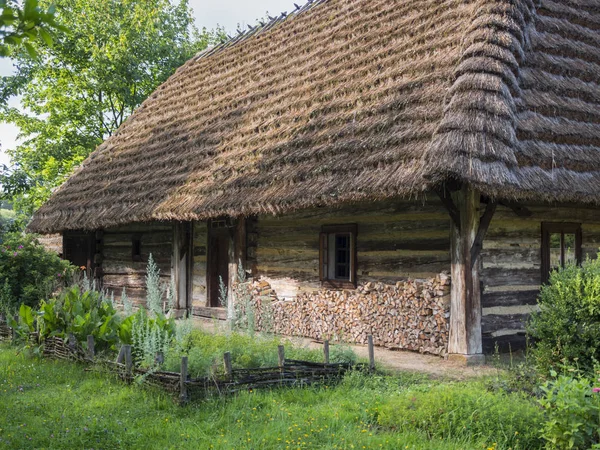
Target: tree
21 25
76 93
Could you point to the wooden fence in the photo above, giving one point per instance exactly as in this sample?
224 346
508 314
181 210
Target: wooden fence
288 373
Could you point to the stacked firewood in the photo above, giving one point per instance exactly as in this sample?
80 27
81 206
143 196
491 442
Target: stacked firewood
411 315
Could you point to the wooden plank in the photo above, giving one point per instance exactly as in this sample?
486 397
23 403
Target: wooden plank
211 313
506 277
516 298
495 322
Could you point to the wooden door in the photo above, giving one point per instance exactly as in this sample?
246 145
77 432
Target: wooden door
79 248
218 263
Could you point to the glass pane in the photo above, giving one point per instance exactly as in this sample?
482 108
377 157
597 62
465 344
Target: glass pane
342 256
554 251
569 245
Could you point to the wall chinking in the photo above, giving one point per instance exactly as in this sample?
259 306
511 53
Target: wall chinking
410 315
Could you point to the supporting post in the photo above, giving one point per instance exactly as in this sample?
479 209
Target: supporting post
228 367
326 351
128 360
159 358
183 394
91 351
465 343
371 353
281 356
121 355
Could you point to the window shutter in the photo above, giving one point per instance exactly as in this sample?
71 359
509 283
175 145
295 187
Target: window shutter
323 255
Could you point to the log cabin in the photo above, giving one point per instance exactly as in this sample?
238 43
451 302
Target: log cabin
352 147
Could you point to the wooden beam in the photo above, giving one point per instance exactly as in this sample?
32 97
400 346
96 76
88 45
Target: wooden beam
519 210
465 340
484 224
446 198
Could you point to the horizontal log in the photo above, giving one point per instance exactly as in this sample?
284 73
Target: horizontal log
508 277
204 311
494 322
140 227
505 344
515 298
148 238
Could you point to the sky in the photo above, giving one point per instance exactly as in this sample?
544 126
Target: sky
208 13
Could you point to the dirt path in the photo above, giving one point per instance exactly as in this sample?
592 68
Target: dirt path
390 359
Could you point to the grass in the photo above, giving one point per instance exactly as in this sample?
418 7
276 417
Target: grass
54 404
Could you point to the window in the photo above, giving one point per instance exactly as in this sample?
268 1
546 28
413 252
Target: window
136 248
337 256
561 245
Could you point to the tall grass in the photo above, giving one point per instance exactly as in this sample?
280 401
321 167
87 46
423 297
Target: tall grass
51 404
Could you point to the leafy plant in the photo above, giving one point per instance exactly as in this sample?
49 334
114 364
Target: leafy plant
573 413
81 314
154 293
29 272
222 293
150 336
567 327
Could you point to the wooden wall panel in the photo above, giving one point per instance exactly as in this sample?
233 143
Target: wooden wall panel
120 271
395 241
511 267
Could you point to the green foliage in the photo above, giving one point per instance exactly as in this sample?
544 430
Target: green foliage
205 352
81 313
222 293
150 335
55 404
77 93
465 411
573 413
154 294
31 272
23 24
127 305
567 327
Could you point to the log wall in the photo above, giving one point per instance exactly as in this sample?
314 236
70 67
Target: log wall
117 263
396 241
511 267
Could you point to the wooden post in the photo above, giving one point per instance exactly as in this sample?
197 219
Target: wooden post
72 341
159 358
326 351
183 394
281 355
91 351
128 360
371 353
121 355
227 363
465 343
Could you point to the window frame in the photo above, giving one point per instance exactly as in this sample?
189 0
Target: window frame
327 230
563 228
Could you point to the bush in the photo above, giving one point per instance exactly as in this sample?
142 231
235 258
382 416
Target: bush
567 327
573 414
465 412
28 272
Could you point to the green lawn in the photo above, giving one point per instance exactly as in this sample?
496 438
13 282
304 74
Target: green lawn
51 404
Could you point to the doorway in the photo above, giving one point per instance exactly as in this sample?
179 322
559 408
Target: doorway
79 248
218 261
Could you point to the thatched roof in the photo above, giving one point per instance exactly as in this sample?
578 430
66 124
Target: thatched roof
352 100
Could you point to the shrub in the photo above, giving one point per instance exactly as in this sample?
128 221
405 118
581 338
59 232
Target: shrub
567 327
465 412
81 313
32 272
573 417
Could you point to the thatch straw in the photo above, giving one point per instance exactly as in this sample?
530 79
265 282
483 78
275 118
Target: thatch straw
353 100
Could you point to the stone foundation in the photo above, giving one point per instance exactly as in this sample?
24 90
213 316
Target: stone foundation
411 315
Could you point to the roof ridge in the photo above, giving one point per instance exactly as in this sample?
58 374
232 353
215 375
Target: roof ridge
480 115
259 29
